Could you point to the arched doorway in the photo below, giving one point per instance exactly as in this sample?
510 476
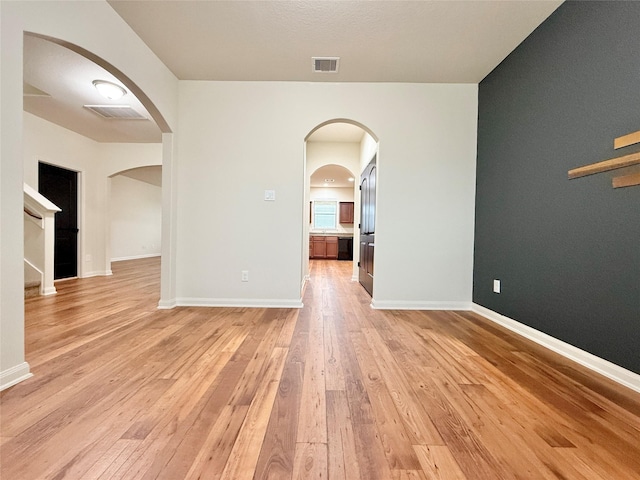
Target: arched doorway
59 89
135 201
338 143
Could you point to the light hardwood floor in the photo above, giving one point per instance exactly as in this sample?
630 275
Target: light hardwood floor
335 390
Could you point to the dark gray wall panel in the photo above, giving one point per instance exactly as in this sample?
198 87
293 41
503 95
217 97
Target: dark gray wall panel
566 251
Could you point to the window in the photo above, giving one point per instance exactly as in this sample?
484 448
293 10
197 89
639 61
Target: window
325 214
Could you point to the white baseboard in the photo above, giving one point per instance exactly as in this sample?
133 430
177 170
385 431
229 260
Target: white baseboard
167 304
604 367
355 278
238 302
14 375
412 305
49 291
305 280
135 257
103 273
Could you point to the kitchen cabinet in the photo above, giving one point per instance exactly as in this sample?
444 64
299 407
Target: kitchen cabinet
323 247
346 212
332 248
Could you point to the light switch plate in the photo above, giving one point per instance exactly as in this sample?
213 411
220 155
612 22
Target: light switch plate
496 286
270 195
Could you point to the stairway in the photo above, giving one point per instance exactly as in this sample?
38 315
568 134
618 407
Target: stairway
31 289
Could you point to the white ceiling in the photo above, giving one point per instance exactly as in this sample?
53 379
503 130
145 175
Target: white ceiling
377 41
337 173
62 80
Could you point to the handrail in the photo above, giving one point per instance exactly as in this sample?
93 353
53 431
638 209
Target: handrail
31 214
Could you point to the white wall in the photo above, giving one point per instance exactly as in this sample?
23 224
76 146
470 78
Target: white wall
368 148
345 154
238 139
136 218
95 162
49 143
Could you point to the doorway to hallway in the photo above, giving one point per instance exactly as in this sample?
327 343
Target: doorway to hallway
60 186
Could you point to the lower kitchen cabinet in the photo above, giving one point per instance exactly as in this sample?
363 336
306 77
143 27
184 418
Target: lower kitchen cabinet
323 247
332 248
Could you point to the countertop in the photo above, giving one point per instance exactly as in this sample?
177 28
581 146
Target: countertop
331 234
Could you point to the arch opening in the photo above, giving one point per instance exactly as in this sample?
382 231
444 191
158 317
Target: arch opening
332 147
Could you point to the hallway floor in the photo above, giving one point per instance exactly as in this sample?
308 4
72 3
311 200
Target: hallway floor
337 390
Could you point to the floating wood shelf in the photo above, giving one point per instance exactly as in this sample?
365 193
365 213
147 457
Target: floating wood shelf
627 140
626 181
606 165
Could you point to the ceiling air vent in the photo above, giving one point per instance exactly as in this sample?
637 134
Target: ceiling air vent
116 112
325 64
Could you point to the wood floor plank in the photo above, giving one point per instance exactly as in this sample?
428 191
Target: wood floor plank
212 456
334 375
246 450
438 463
278 450
417 423
341 447
397 443
124 391
312 417
310 461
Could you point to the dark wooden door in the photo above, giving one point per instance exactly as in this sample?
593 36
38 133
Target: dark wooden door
61 187
367 225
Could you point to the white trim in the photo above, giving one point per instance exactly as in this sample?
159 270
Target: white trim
355 278
412 305
604 367
104 273
167 304
14 375
305 280
49 291
238 302
135 257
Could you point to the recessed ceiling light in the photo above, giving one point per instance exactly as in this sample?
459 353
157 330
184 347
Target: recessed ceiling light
351 179
109 90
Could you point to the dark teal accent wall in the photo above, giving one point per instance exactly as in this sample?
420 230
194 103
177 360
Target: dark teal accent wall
567 252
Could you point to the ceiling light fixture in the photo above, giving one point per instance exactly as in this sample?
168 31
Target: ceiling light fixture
109 90
351 179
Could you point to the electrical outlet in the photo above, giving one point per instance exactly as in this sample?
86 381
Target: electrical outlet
245 275
496 286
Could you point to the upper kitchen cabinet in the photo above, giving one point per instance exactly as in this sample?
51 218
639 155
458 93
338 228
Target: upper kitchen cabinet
346 212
